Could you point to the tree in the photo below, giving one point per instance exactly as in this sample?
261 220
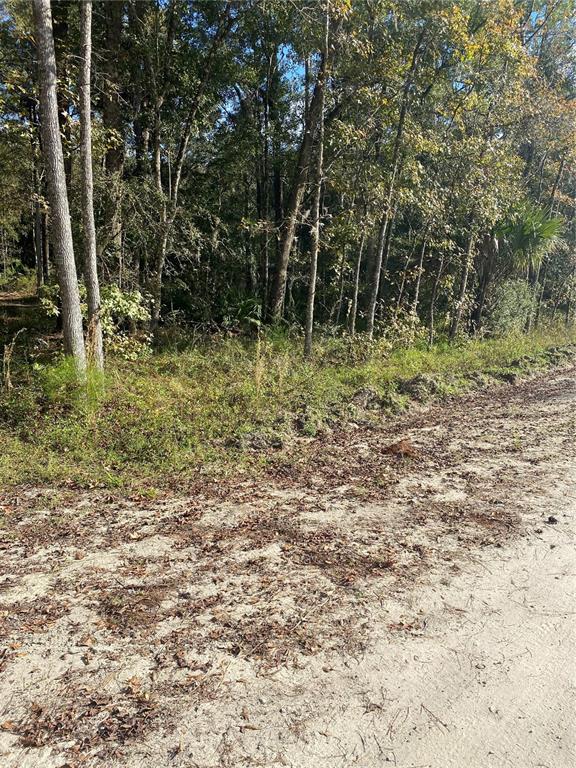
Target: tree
58 196
297 188
94 340
319 170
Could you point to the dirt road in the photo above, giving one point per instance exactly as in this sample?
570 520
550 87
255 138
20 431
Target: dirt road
358 606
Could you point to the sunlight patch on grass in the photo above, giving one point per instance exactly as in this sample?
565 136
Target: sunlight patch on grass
164 416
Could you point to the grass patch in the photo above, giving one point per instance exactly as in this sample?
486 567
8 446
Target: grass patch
163 417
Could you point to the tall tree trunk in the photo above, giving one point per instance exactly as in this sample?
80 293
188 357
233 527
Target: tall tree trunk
170 207
37 210
297 193
354 310
375 287
386 219
570 296
541 295
111 232
60 34
414 311
38 249
556 183
461 298
319 170
94 339
54 162
407 261
340 301
533 283
385 258
433 299
45 246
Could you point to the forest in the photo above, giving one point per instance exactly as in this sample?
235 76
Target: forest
368 167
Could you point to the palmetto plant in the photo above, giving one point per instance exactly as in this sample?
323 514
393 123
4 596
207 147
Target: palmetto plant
530 235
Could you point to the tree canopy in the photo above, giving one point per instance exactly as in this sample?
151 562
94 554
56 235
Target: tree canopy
446 131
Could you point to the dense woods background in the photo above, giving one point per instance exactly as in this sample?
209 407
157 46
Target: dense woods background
413 162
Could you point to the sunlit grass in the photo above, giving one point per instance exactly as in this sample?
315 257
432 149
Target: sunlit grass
162 417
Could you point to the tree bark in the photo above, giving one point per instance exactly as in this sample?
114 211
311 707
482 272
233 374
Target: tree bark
60 34
319 170
407 261
414 312
459 304
54 162
45 247
386 219
375 288
38 249
354 310
297 192
433 298
570 296
94 338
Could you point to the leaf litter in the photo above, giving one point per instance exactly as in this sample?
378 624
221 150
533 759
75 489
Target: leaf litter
144 605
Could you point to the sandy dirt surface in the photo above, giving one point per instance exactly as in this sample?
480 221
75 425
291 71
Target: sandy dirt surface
360 605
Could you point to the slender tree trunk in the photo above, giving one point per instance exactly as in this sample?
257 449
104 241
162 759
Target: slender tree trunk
459 304
386 219
556 183
170 206
54 162
407 261
37 211
289 226
297 193
354 310
264 199
45 246
113 123
315 225
340 302
570 296
433 298
94 339
533 283
385 258
60 35
38 250
375 288
541 295
417 287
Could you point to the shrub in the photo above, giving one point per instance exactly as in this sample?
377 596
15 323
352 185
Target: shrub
121 312
508 307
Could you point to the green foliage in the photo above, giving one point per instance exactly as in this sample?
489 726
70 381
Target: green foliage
121 313
509 306
444 120
532 234
161 417
121 309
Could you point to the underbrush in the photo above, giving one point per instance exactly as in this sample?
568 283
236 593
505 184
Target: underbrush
223 403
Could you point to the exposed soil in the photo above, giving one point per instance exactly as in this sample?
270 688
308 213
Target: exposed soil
394 595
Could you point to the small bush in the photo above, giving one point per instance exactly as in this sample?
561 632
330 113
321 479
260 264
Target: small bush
121 314
508 307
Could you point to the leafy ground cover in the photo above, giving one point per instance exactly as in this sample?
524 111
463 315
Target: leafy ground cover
218 404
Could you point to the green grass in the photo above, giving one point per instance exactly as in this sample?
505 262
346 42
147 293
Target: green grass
158 420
